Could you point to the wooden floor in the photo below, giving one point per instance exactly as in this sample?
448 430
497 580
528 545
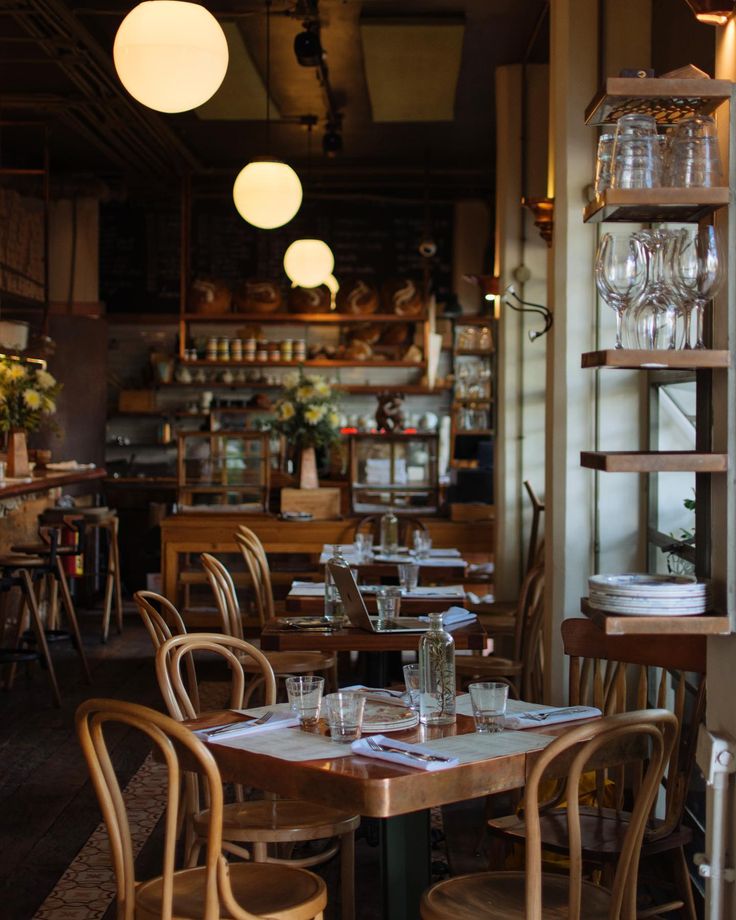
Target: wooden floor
48 810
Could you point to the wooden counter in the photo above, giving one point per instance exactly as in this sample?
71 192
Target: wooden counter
47 479
213 532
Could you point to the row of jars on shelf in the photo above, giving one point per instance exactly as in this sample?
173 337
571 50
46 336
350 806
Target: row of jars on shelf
251 349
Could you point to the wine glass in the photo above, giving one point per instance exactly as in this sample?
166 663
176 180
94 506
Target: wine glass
620 275
656 315
698 274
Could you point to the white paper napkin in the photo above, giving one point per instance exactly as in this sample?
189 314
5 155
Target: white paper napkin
361 747
383 691
481 568
570 714
280 719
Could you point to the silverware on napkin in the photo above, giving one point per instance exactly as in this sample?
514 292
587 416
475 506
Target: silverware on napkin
416 755
237 726
542 715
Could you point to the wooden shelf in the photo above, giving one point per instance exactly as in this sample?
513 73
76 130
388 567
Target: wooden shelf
655 205
474 432
408 389
634 359
648 461
708 624
668 100
310 362
473 353
484 320
284 319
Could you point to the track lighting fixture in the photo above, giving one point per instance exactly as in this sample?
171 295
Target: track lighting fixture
307 47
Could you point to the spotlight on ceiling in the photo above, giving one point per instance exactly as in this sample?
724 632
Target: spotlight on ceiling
712 12
307 48
332 141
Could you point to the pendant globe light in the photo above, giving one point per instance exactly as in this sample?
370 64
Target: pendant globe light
308 263
267 192
170 55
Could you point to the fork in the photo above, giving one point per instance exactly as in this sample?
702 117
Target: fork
542 716
222 729
417 755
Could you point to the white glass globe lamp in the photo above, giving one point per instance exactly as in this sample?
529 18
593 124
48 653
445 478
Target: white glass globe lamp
308 263
170 55
267 193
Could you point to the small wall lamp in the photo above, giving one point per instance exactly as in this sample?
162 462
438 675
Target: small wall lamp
527 307
712 12
543 210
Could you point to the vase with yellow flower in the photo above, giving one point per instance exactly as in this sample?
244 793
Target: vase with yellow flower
306 414
27 399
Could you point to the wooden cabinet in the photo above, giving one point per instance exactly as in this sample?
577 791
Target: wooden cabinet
472 423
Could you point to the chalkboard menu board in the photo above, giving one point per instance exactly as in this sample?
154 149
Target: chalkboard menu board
139 246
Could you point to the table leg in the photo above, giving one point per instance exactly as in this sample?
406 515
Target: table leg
405 864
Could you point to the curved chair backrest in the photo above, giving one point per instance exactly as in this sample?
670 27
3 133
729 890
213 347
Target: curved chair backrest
170 655
656 728
226 596
600 670
256 560
168 736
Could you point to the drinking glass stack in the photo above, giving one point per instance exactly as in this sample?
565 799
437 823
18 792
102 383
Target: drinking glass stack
649 595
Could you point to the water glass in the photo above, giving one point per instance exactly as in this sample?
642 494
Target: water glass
422 544
305 697
408 576
344 714
411 682
603 163
489 705
638 162
388 601
364 546
695 159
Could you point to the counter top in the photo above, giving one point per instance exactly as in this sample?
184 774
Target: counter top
48 479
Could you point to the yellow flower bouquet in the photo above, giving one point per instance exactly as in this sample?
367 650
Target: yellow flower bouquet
27 395
306 412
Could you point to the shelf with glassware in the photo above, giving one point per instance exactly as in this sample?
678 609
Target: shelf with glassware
472 410
664 280
396 470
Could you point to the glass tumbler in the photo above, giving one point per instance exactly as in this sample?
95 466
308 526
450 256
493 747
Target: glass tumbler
305 697
408 576
488 700
388 602
603 163
344 715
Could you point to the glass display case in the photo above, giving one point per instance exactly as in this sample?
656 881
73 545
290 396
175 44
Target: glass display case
223 468
397 470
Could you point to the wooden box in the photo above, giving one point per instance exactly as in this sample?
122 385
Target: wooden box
322 504
471 511
137 401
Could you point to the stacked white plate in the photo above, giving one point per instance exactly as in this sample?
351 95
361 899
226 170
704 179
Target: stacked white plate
649 595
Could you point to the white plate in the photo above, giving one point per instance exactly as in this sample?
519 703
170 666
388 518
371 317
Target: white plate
639 584
387 715
674 611
627 601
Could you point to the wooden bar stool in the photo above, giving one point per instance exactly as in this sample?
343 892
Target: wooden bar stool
39 567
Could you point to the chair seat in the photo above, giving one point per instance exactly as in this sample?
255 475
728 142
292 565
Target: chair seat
280 821
602 833
294 662
43 549
501 895
18 561
263 889
486 664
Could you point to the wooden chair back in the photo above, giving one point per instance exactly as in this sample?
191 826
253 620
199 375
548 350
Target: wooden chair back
577 750
256 561
163 620
527 643
407 525
611 671
537 509
226 596
178 649
92 719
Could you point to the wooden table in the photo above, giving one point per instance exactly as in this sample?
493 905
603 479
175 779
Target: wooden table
313 604
399 795
214 532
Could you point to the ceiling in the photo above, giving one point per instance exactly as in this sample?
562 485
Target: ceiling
411 82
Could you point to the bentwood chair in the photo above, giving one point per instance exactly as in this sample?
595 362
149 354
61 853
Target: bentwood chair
260 823
243 891
535 895
523 669
608 672
284 664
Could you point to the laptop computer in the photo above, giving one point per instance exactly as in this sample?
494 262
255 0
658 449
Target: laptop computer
357 612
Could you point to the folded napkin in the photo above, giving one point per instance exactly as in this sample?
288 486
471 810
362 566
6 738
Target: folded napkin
406 760
69 465
279 719
481 568
474 598
531 719
396 694
455 616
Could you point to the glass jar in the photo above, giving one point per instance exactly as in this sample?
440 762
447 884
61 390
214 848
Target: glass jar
333 602
389 533
436 674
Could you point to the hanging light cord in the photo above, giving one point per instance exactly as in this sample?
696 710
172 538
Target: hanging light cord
528 307
268 75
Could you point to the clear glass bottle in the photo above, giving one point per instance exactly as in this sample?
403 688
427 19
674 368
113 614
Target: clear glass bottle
389 533
436 674
333 601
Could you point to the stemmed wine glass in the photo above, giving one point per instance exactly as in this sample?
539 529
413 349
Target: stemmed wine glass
697 272
620 275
